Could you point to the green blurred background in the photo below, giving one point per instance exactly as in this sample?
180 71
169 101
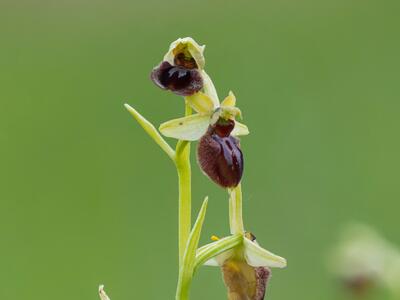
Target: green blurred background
87 198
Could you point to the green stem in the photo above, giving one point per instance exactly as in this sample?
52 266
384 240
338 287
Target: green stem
183 291
235 210
182 161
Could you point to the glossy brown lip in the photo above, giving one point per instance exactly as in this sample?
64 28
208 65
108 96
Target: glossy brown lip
178 79
220 158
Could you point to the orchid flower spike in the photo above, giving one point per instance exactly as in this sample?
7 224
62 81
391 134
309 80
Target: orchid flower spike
180 70
219 153
245 267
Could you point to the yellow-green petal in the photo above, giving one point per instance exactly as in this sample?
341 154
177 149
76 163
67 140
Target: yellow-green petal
190 128
230 112
201 103
240 129
230 100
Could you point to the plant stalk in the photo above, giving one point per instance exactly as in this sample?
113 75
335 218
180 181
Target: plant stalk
182 162
235 210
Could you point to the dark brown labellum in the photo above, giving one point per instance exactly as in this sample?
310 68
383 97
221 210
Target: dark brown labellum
220 158
178 79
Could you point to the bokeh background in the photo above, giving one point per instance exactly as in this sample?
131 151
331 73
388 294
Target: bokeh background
87 198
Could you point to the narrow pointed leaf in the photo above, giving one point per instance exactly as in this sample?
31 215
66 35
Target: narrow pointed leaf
190 128
186 271
151 131
256 256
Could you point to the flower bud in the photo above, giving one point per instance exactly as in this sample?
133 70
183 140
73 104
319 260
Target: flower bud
219 154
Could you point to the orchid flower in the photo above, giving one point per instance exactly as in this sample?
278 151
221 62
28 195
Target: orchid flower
244 264
181 69
193 127
219 154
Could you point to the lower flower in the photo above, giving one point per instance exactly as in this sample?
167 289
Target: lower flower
246 268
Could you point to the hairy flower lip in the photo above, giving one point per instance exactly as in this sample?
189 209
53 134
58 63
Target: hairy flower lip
179 80
220 158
